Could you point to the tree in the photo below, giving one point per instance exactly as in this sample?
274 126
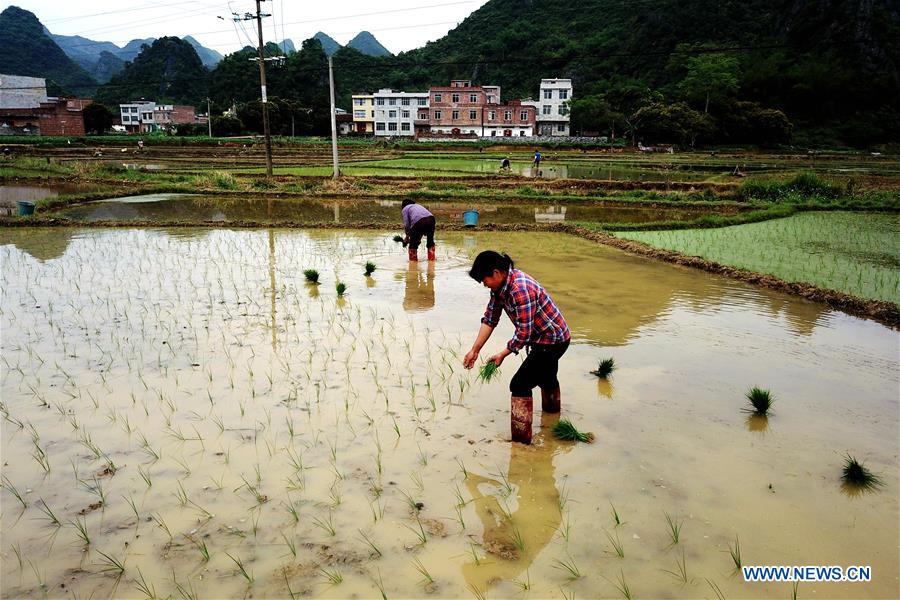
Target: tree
676 122
752 123
594 113
97 118
709 76
225 126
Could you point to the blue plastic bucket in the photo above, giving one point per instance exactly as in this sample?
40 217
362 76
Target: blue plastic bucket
470 218
25 208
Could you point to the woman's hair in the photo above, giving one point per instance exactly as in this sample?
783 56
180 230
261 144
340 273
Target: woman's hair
407 202
487 262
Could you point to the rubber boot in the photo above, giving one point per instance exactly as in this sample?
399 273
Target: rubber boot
413 254
521 416
550 400
431 253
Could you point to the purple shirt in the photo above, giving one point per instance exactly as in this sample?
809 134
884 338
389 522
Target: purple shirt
412 214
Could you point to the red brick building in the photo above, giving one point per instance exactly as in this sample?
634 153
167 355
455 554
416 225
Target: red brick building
55 117
463 109
512 119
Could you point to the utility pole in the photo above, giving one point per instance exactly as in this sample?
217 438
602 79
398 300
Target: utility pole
334 154
209 117
258 17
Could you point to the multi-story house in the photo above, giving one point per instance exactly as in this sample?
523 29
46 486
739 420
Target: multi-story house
512 119
553 107
458 109
364 113
138 116
397 112
167 116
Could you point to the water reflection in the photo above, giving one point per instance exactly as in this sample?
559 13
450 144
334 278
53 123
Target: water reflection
43 244
515 542
757 423
550 214
418 294
604 387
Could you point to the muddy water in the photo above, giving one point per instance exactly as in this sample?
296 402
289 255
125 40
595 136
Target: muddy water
11 194
191 208
202 361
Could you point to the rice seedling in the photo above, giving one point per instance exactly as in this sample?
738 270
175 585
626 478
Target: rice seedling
370 268
674 529
201 547
379 583
111 564
488 371
475 558
616 544
50 516
420 534
186 593
426 576
248 575
340 288
621 586
80 526
145 587
680 572
525 584
7 485
312 276
518 539
605 368
569 567
716 589
334 576
794 590
761 400
735 552
615 514
855 474
326 525
368 540
565 430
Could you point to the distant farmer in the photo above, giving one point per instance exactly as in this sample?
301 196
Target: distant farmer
418 222
140 144
537 161
504 164
540 329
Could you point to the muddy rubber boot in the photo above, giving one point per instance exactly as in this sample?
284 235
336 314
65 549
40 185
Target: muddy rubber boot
550 400
431 253
521 416
413 254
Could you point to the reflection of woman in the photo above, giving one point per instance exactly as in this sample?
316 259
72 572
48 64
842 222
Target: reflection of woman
515 542
540 328
419 292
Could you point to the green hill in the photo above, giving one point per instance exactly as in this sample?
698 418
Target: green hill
366 43
25 49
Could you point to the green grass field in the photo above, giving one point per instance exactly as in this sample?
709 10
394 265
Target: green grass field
856 253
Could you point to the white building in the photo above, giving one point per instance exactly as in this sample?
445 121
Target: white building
553 107
395 112
138 117
19 91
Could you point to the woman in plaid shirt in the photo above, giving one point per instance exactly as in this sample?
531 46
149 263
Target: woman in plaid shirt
540 328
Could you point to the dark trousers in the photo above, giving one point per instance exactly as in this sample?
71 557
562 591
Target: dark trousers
422 227
539 369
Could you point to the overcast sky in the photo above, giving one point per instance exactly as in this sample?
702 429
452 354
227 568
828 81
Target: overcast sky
398 24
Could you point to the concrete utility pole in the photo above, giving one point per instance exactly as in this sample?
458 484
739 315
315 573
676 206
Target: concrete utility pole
334 154
258 17
209 117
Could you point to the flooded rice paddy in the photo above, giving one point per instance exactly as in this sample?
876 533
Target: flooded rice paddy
856 253
186 416
199 208
11 194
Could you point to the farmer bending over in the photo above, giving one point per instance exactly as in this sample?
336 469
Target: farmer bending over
418 222
540 328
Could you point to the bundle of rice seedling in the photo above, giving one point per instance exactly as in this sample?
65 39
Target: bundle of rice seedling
607 366
311 275
856 474
761 400
398 238
488 371
564 430
370 268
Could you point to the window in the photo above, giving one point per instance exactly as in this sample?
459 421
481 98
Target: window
379 101
561 127
492 114
438 114
379 126
507 115
359 114
563 94
392 101
126 118
404 126
563 109
454 115
404 101
134 109
473 114
392 114
522 133
454 98
405 114
545 109
422 101
471 131
437 97
491 100
523 115
548 94
493 133
392 127
473 98
358 101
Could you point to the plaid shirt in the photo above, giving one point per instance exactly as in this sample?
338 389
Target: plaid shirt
529 307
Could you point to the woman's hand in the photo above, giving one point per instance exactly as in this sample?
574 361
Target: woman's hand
497 359
470 358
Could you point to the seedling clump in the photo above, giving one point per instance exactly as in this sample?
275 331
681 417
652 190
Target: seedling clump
856 474
564 430
370 268
605 368
398 238
311 275
488 371
340 288
761 400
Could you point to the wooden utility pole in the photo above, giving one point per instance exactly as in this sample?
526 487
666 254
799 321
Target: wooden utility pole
334 154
